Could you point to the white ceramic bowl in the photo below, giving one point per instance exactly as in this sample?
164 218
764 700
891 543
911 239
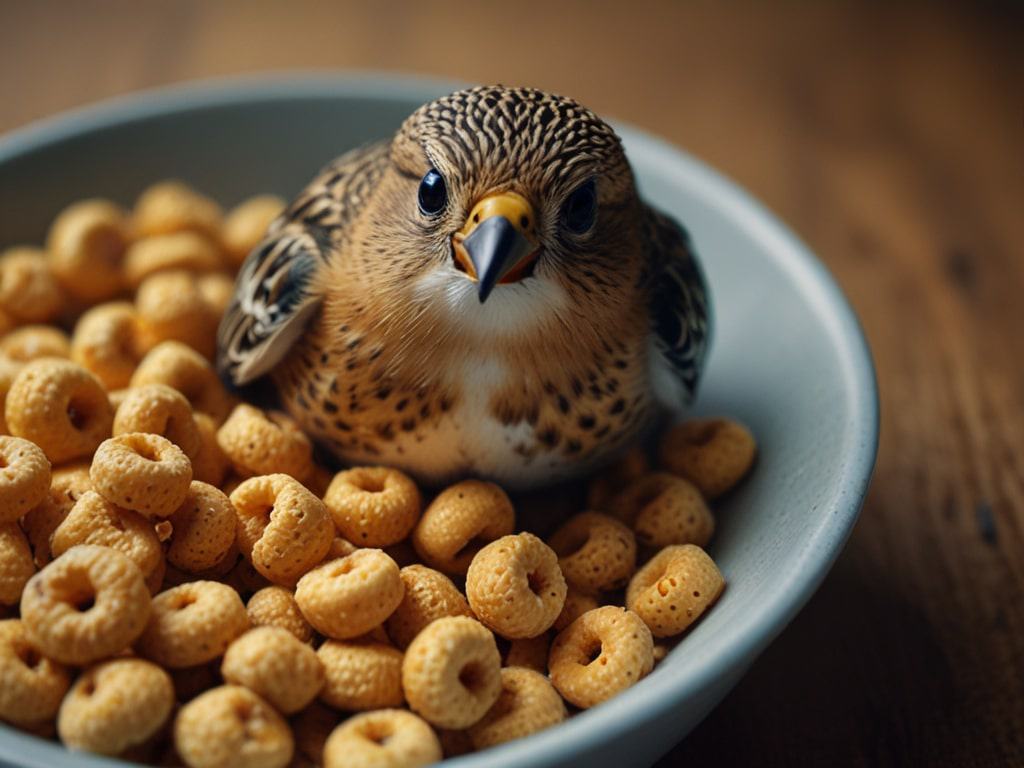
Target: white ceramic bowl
788 358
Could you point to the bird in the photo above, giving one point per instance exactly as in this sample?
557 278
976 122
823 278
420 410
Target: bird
484 295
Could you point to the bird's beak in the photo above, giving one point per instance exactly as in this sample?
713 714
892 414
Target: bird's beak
497 243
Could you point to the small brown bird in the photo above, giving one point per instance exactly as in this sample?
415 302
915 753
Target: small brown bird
484 294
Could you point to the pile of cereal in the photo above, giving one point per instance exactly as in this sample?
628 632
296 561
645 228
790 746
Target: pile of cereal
182 584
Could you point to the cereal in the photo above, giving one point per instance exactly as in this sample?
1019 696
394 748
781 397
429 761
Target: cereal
88 604
173 206
429 595
459 522
31 685
599 655
246 225
24 477
180 367
713 454
665 509
232 727
312 727
105 343
273 663
203 529
674 589
209 465
32 342
373 506
595 552
60 407
192 624
515 586
86 245
348 597
115 705
276 607
391 738
245 579
159 410
259 443
28 290
171 308
451 672
361 675
283 529
16 563
142 472
576 604
175 251
9 369
529 652
528 703
607 483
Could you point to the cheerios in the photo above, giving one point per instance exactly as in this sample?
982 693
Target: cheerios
161 253
209 465
429 595
595 552
674 589
276 607
713 454
171 308
31 685
203 529
273 663
28 290
576 604
24 477
142 472
105 343
9 369
665 509
259 443
246 225
173 206
361 675
86 245
182 368
34 342
607 483
217 290
373 506
16 563
386 737
158 410
528 703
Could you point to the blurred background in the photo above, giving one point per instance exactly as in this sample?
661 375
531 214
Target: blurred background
890 137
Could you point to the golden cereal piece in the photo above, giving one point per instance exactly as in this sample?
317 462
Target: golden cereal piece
386 738
24 477
258 443
32 342
529 652
576 604
180 367
312 727
515 586
158 410
595 552
459 522
674 589
16 563
217 290
247 224
174 206
192 624
232 727
203 529
348 597
88 604
209 465
9 369
67 484
610 480
115 705
373 506
361 675
599 655
31 685
175 251
105 343
86 245
528 703
713 454
429 595
171 308
28 290
276 607
60 407
283 529
272 662
340 547
245 579
451 672
143 472
665 509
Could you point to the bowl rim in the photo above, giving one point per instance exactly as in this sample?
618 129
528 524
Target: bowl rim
658 693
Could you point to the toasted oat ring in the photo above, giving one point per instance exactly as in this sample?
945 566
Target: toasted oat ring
171 307
33 342
459 522
385 737
161 253
246 224
259 443
713 454
60 407
88 604
86 246
146 473
203 529
180 367
373 506
576 604
16 563
192 624
276 607
209 465
429 595
348 597
173 206
159 410
674 589
272 662
361 675
28 290
599 655
528 703
31 685
24 477
515 587
665 509
595 552
105 343
283 529
115 705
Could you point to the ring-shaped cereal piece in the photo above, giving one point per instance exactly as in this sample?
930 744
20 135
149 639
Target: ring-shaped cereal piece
162 253
158 410
88 604
31 685
143 472
272 662
283 529
86 245
24 477
599 655
105 342
576 604
9 369
115 705
361 675
674 589
515 587
173 206
203 529
217 290
457 524
595 552
713 454
385 737
373 506
171 308
28 290
16 563
192 624
60 407
276 607
209 465
33 342
348 597
246 224
665 509
259 443
528 703
180 367
429 595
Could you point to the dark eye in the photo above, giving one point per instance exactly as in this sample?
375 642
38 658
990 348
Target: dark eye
580 210
433 193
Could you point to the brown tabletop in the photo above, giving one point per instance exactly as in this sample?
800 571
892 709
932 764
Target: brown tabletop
891 138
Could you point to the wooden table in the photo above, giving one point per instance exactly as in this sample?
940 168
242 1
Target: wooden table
891 139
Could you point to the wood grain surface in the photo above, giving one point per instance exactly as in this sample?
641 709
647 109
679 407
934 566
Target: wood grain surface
891 138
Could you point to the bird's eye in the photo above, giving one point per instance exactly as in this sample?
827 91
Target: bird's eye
433 193
580 210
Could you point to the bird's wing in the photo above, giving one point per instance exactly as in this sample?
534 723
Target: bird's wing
275 292
680 305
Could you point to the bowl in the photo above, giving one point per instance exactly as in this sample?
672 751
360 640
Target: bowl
788 358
